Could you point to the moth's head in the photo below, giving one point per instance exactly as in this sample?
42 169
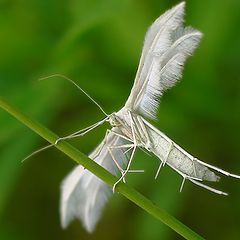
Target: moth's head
113 120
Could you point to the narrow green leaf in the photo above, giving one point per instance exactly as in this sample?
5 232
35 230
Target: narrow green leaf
103 174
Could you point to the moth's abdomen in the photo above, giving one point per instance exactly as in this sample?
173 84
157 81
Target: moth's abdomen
177 158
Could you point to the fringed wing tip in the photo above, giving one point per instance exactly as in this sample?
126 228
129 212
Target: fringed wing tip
63 217
68 216
167 69
83 195
181 5
90 228
68 187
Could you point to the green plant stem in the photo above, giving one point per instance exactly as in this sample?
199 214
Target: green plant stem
103 174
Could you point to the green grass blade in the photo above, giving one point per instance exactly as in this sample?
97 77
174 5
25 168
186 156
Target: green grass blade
103 174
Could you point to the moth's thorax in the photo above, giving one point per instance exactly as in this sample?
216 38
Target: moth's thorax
128 124
120 120
114 120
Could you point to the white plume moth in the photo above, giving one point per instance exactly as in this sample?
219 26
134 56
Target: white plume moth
167 45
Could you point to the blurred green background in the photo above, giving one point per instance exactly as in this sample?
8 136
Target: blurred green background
98 44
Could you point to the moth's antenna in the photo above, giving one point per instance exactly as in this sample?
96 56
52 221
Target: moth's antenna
37 151
75 84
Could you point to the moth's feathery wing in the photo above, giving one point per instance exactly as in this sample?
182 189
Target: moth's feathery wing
158 35
83 195
167 45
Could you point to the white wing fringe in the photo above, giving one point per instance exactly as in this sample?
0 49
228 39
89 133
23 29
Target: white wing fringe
166 47
166 68
83 195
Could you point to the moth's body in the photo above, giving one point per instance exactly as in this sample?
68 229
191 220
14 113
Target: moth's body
122 120
166 47
153 140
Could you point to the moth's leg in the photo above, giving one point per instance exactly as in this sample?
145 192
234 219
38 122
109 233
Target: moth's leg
122 146
111 147
125 171
217 169
158 170
185 176
132 154
73 135
182 184
105 141
115 160
197 181
189 178
129 148
207 187
81 132
128 139
120 135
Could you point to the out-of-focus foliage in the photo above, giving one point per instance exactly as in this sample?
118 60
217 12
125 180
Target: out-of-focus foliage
98 44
